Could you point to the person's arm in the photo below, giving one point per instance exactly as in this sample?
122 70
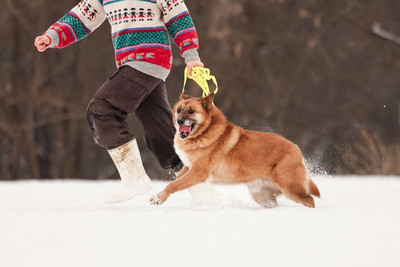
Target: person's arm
74 26
181 28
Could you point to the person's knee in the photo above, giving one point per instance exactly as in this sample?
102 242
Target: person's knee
90 116
106 124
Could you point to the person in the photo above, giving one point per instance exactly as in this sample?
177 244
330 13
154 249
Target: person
143 58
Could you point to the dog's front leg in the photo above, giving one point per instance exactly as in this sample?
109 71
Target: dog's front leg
182 172
192 177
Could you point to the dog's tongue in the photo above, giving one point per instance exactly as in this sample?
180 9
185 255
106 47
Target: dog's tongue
185 129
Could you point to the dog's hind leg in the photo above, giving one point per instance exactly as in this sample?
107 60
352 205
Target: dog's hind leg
294 184
264 192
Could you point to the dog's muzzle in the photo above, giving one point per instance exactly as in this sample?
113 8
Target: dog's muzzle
185 127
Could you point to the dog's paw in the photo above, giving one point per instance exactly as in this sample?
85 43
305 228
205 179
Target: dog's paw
155 200
159 198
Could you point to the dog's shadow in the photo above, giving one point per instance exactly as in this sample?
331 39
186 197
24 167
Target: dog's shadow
230 201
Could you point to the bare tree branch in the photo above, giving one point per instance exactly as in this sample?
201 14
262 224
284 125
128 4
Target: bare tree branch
377 29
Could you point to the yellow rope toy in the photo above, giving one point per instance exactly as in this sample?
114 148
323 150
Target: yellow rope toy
201 76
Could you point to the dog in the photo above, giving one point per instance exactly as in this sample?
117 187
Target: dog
214 149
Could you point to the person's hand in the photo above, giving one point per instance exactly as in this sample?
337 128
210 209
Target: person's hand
194 63
42 42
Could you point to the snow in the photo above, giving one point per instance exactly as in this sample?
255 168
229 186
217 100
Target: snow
65 223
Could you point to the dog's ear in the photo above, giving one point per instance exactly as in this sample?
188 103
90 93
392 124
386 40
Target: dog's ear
207 101
184 95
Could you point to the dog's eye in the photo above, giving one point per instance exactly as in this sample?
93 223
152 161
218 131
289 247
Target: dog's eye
179 110
191 111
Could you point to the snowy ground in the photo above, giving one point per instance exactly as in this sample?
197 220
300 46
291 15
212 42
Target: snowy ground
65 223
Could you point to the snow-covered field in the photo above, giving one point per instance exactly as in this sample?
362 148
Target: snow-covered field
64 223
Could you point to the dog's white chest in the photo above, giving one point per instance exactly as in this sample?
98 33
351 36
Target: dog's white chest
183 156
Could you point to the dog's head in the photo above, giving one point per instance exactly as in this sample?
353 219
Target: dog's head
190 114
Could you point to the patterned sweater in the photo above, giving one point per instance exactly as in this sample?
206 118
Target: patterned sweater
139 31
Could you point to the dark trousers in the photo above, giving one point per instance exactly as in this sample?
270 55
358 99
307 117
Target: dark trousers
128 91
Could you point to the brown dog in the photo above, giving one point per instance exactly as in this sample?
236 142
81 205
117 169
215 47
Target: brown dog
213 148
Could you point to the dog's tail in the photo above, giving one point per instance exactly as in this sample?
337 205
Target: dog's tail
313 188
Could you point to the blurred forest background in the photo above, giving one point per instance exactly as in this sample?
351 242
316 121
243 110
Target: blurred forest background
318 72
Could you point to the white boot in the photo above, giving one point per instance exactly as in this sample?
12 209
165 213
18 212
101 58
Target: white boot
134 180
204 194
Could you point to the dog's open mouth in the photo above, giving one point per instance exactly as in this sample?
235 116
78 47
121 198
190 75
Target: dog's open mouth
185 130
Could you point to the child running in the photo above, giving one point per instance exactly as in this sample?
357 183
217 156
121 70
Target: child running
143 57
